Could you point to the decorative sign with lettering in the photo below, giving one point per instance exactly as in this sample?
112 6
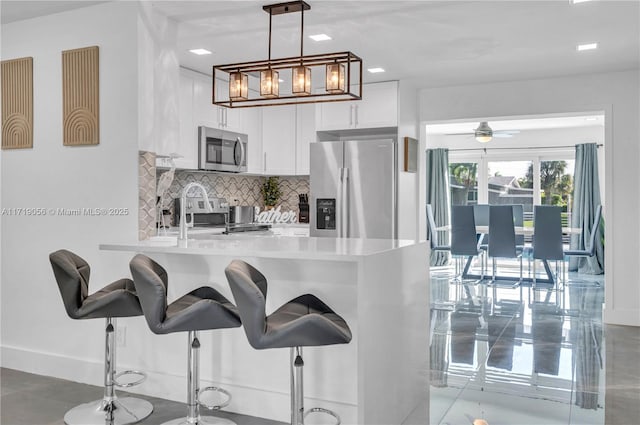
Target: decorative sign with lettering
276 216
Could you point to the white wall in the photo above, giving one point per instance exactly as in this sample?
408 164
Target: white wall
617 95
408 183
34 323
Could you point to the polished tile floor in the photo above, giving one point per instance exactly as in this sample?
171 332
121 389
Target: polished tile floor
523 356
512 356
28 399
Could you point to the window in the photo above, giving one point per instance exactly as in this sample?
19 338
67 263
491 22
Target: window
463 182
556 183
507 184
536 177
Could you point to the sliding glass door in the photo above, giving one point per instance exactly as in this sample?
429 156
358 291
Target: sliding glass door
527 177
463 183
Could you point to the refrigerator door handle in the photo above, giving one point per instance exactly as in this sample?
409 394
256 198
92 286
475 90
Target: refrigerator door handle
344 209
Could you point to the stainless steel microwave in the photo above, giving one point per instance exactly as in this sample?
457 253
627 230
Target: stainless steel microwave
221 150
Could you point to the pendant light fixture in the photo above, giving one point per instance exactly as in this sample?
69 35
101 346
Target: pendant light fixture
301 80
335 78
238 86
483 133
343 71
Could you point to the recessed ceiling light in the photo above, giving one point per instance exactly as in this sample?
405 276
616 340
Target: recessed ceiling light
579 1
589 46
375 70
200 51
320 37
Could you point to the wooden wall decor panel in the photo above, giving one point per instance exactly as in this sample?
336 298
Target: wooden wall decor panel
17 103
80 97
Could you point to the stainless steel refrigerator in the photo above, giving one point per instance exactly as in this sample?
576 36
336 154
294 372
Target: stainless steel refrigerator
354 189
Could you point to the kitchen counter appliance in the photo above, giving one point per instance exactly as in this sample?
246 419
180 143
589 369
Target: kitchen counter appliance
221 150
201 218
354 189
233 219
241 214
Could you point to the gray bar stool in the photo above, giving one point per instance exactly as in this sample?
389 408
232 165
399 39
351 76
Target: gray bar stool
303 321
115 300
201 309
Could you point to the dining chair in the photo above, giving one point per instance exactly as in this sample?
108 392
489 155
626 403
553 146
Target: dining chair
518 221
433 233
591 251
464 241
547 237
502 241
481 216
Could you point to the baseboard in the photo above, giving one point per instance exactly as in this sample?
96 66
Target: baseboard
246 400
625 317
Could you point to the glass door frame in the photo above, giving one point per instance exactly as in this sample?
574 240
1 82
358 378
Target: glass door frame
482 157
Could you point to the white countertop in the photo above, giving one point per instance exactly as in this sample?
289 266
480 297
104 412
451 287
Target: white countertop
266 246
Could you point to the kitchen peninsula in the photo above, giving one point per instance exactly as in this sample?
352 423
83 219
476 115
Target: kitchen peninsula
379 286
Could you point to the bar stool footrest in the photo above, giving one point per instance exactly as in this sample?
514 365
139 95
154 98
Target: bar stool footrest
325 411
143 377
218 406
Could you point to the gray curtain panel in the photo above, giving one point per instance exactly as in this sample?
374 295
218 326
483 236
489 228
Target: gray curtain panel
438 197
586 198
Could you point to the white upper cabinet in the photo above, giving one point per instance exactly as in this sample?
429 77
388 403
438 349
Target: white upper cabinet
252 119
228 118
305 135
287 131
187 146
378 108
210 115
279 140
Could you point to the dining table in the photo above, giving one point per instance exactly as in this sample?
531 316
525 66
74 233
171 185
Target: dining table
519 230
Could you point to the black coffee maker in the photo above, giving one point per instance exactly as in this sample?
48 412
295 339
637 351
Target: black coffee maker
303 206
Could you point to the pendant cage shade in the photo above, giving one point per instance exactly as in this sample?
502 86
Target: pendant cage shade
483 133
301 81
335 78
343 73
269 83
238 86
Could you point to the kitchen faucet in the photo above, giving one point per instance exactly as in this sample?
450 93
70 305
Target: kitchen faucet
183 208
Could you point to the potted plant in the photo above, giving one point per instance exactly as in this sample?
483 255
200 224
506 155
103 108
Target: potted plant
270 192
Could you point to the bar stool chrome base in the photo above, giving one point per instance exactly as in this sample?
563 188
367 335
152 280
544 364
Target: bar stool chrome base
126 410
193 391
204 420
298 412
111 410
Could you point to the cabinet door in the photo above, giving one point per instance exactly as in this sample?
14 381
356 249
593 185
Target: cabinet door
379 106
188 129
205 112
334 115
229 118
305 135
278 139
252 127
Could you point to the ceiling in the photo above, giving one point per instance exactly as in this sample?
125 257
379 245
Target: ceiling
12 10
529 123
438 43
441 43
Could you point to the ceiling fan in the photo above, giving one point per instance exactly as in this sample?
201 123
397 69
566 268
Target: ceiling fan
484 133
